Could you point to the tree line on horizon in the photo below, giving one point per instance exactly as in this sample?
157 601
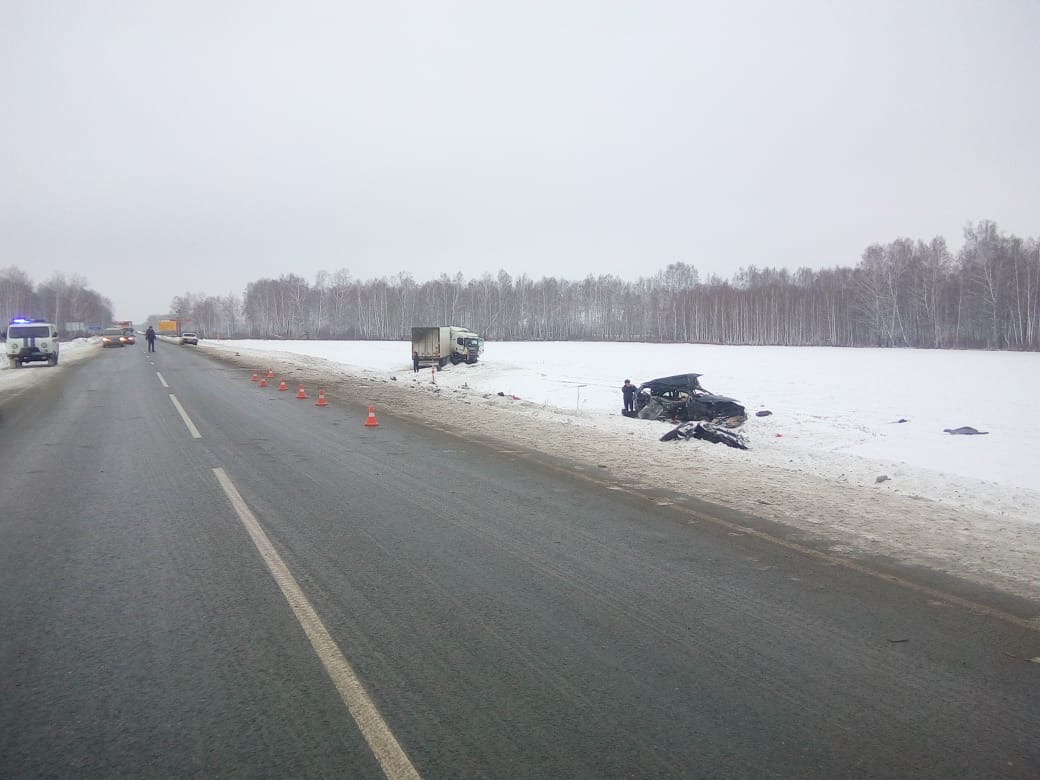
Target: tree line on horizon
62 300
907 293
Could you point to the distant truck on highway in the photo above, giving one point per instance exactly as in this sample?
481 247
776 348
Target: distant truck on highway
439 344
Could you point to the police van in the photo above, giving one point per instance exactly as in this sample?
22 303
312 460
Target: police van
31 340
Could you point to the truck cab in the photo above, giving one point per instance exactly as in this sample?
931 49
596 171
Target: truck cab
466 346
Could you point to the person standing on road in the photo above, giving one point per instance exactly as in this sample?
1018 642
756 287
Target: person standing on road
628 392
149 336
415 361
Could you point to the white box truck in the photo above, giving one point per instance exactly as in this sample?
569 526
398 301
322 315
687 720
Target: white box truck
437 345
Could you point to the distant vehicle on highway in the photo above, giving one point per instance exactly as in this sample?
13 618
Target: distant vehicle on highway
190 338
113 337
127 326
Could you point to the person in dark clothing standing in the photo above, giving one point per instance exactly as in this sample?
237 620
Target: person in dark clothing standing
150 338
415 361
628 392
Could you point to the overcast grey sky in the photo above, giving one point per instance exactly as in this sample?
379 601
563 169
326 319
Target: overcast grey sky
161 147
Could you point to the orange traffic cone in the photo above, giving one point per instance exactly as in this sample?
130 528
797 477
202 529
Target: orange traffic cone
302 393
321 399
263 382
283 386
255 377
371 422
270 374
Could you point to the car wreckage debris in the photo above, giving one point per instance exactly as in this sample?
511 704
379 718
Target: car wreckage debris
681 398
965 430
707 432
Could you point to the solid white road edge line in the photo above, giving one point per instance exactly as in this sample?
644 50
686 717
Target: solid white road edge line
184 416
387 750
161 380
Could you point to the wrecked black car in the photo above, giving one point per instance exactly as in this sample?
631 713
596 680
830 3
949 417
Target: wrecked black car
681 398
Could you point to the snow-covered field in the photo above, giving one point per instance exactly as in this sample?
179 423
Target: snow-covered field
826 403
969 505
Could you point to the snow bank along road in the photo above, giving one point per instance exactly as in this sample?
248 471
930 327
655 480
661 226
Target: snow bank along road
855 519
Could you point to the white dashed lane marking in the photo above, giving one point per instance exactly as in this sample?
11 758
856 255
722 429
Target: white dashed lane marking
184 416
388 751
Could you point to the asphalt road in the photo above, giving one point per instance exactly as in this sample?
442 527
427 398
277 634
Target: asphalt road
263 587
